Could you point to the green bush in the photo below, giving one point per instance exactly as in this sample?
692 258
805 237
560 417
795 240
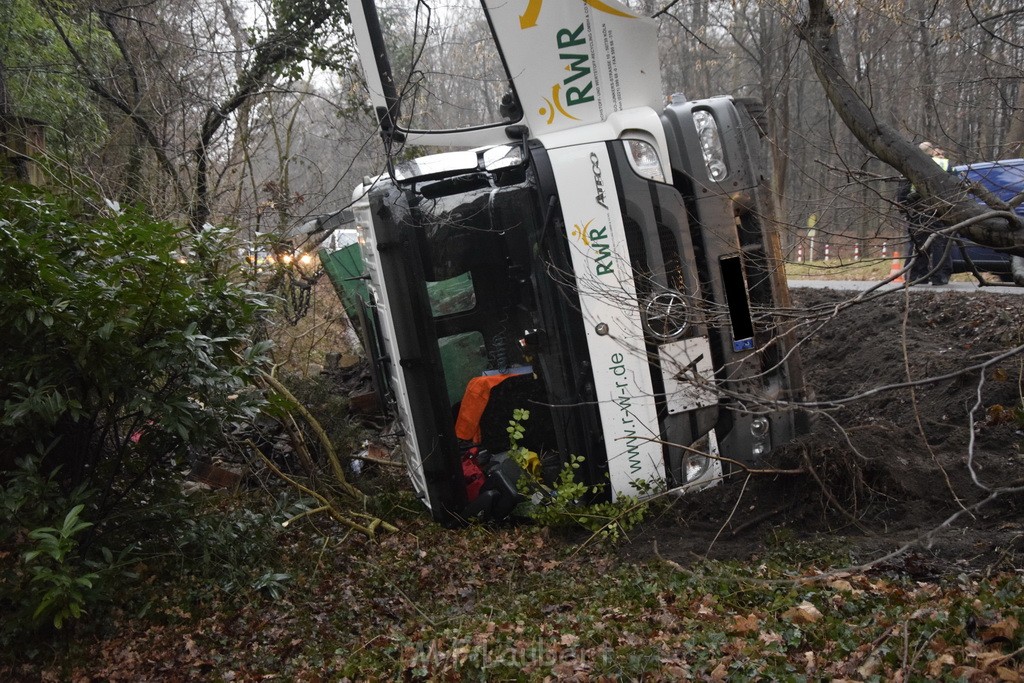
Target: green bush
563 502
213 544
119 353
123 357
44 583
61 591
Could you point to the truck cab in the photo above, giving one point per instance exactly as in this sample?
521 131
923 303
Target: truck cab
601 256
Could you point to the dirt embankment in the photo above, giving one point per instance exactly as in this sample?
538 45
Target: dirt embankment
891 464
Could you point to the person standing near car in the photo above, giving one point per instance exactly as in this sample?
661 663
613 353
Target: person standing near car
921 224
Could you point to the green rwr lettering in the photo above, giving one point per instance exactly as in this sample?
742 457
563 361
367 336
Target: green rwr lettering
577 67
604 251
566 38
579 95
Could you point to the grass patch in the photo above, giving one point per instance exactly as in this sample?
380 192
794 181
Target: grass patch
521 604
864 269
873 270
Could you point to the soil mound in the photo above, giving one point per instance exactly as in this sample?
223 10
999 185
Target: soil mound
918 417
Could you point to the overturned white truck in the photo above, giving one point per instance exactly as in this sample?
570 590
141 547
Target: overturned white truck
598 257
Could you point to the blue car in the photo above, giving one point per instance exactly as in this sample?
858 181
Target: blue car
1004 179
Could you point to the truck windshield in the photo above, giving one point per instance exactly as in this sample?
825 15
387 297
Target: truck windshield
476 255
445 63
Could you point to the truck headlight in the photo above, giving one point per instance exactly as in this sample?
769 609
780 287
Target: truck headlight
710 144
644 159
759 427
696 466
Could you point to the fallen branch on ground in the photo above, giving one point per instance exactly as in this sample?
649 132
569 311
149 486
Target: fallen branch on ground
370 529
332 456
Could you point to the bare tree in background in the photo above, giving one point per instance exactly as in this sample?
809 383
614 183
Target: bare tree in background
886 142
945 71
184 75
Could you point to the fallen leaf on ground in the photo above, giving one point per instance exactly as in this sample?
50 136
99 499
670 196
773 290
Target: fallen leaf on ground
968 673
804 613
936 665
747 624
1001 630
1006 674
870 667
841 585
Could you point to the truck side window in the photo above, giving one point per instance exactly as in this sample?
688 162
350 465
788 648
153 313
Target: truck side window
463 357
454 295
446 66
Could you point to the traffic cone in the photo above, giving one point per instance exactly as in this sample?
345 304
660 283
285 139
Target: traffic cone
896 267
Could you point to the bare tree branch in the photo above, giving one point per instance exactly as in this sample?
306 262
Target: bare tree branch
131 110
942 191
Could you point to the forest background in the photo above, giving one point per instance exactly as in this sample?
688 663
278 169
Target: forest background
188 140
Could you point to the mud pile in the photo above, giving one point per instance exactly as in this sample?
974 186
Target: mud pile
886 465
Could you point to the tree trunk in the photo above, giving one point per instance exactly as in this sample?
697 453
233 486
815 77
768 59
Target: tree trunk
1014 145
942 191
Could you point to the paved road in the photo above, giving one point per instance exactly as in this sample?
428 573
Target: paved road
860 286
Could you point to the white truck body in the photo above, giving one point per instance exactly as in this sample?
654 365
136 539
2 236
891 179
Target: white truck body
628 231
